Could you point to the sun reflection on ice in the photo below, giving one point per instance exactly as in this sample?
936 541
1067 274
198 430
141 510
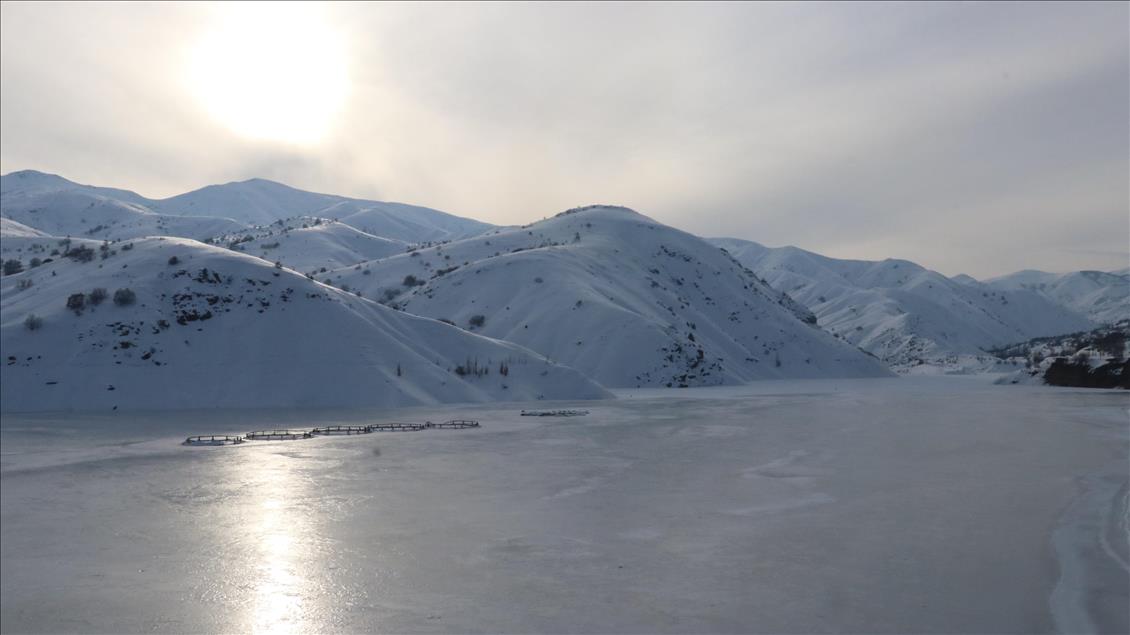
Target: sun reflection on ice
279 586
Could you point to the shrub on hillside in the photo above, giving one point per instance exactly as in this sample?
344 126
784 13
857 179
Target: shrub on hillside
82 253
124 297
12 266
33 322
477 320
76 302
97 296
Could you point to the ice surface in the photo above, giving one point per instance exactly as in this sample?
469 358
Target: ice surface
886 505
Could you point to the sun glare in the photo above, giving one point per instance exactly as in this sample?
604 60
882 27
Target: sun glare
271 71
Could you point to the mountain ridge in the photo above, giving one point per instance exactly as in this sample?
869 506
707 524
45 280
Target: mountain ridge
616 295
243 204
903 312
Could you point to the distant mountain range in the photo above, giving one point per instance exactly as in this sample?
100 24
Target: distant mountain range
1104 296
910 316
61 207
254 293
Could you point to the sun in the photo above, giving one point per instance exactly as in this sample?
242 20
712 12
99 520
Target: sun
271 71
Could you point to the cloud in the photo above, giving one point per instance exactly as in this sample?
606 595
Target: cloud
970 137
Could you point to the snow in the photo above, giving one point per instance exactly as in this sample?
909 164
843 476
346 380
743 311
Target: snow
81 213
865 503
221 329
259 201
60 207
409 223
310 244
10 228
1103 296
617 296
880 505
1104 345
907 315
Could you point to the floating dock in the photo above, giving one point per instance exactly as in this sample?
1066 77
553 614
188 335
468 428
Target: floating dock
292 434
454 424
343 430
398 427
213 439
277 435
554 413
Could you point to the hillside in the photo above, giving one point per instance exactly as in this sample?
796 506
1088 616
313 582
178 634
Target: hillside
261 202
1102 296
408 223
907 315
1091 359
32 251
203 326
310 244
612 293
56 206
11 228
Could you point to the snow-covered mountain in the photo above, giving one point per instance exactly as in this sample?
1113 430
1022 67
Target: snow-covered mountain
603 290
164 323
57 206
31 182
1102 296
311 244
902 312
261 202
407 223
616 295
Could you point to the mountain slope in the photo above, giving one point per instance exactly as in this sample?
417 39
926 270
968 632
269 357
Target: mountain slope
902 312
261 202
1102 296
11 228
208 327
408 223
55 206
617 296
31 182
310 244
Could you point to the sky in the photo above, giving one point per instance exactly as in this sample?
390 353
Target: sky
971 138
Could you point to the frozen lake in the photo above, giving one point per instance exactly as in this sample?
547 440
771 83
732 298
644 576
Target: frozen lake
900 505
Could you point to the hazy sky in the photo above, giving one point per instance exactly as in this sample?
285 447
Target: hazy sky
975 138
